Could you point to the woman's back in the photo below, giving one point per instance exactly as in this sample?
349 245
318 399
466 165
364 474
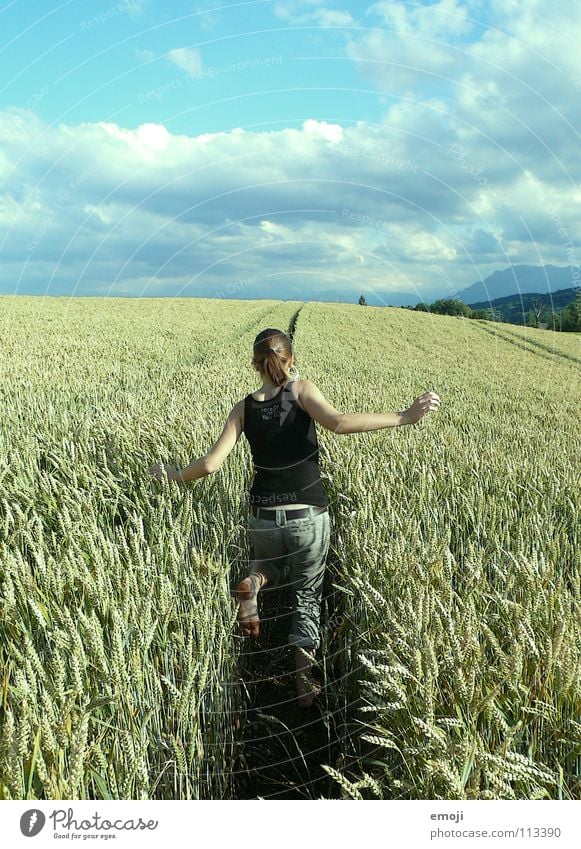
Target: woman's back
285 451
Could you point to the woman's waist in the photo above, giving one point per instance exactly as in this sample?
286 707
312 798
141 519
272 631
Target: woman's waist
287 465
287 507
307 494
276 480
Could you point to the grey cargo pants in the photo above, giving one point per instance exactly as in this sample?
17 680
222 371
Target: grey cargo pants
293 552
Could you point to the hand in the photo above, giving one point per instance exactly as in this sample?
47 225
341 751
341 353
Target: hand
422 406
158 471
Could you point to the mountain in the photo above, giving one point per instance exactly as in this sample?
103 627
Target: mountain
511 283
519 279
515 309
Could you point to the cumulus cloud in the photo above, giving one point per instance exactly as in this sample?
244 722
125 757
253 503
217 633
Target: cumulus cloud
513 88
188 59
504 131
440 19
331 132
312 12
415 45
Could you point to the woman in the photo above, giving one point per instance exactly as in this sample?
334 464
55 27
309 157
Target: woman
288 519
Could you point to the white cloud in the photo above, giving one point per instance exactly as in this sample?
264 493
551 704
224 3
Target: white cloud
441 19
272 228
146 141
333 18
426 245
331 132
503 136
312 12
187 58
420 45
515 85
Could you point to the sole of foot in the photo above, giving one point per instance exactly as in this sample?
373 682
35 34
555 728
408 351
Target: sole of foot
248 619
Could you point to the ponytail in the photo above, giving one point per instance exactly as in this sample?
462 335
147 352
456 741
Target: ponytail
272 353
274 368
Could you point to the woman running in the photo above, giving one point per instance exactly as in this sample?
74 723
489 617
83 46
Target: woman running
288 519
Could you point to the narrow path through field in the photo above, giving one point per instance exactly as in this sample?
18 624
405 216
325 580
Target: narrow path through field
284 747
293 324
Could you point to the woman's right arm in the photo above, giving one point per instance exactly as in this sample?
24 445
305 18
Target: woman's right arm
317 406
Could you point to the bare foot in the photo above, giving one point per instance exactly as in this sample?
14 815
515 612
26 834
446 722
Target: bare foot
247 595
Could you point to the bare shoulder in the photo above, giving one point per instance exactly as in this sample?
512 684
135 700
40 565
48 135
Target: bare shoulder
309 395
314 403
305 386
237 412
299 388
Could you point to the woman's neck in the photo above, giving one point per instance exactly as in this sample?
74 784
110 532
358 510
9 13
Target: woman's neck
268 386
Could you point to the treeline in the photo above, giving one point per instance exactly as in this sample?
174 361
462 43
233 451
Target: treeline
565 320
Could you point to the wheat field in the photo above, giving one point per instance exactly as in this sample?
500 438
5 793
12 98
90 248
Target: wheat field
455 549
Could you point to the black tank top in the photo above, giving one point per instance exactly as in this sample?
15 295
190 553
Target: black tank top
285 451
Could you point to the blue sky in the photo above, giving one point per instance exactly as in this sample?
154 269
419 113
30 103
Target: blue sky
306 149
114 62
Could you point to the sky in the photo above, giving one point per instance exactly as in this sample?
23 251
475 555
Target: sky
309 149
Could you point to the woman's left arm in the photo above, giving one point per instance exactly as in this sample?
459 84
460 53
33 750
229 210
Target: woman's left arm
210 462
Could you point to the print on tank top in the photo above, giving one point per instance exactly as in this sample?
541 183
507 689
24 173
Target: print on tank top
270 412
279 410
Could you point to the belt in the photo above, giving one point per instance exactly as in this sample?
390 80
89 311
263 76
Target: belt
301 513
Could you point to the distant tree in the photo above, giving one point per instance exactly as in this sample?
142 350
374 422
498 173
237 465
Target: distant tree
483 314
554 320
422 307
362 301
571 318
531 319
576 310
538 308
450 306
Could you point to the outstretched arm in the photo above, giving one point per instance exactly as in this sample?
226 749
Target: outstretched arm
213 459
323 412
